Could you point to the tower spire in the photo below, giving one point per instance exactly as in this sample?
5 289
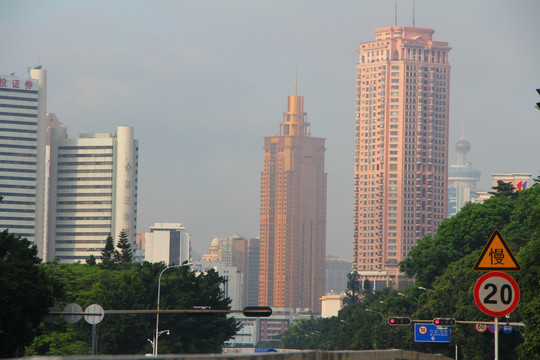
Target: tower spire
295 82
395 12
412 13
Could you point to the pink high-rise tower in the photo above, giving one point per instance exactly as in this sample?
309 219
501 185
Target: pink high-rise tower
401 147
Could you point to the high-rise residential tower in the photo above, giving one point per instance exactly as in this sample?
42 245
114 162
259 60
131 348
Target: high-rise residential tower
401 147
92 192
22 155
293 214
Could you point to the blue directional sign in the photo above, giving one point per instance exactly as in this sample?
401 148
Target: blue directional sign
431 333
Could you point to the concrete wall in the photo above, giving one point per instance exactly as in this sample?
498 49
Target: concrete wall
300 355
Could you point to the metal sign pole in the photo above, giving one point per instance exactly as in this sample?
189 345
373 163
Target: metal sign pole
496 337
94 339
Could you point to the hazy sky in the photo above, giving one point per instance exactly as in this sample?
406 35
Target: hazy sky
202 82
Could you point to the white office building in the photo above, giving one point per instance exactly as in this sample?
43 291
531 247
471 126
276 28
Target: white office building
167 242
22 155
92 192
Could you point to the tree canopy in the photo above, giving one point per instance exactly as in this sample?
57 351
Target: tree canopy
442 267
26 293
130 288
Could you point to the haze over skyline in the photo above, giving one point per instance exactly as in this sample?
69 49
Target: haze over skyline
202 82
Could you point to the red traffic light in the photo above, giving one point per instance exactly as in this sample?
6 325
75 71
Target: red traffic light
399 321
444 322
257 311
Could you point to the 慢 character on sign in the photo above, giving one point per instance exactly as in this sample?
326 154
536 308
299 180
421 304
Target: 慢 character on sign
15 83
496 255
28 84
3 82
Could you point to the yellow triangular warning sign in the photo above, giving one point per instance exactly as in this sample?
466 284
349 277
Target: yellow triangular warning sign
496 256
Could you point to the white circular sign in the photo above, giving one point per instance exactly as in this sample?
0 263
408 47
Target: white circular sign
496 294
94 309
72 313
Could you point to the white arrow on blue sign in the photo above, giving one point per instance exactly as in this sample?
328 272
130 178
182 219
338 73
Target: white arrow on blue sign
431 333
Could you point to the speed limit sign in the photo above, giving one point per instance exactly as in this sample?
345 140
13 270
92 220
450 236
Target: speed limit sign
496 294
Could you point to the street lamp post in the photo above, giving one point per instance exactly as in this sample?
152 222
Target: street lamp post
156 341
168 332
376 312
401 294
423 288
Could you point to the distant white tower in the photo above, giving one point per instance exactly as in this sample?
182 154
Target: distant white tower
462 179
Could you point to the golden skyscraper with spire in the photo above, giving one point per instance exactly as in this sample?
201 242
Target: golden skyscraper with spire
293 214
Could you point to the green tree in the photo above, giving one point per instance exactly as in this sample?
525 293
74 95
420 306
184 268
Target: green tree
504 189
457 237
125 255
354 288
58 342
529 308
26 293
107 254
184 289
315 333
368 289
91 260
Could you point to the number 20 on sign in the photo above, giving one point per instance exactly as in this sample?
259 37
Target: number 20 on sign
496 294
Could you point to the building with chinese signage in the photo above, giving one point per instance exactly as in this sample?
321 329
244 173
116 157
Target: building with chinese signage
520 181
22 155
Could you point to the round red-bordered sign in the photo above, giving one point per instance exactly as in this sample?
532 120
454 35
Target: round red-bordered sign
480 327
496 294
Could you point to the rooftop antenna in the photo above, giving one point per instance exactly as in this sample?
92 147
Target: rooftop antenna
395 12
412 13
295 75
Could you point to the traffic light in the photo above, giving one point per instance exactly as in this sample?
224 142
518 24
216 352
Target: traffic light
399 321
257 311
444 322
538 103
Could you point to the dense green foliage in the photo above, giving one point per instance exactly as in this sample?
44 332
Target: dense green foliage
26 292
134 287
443 265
